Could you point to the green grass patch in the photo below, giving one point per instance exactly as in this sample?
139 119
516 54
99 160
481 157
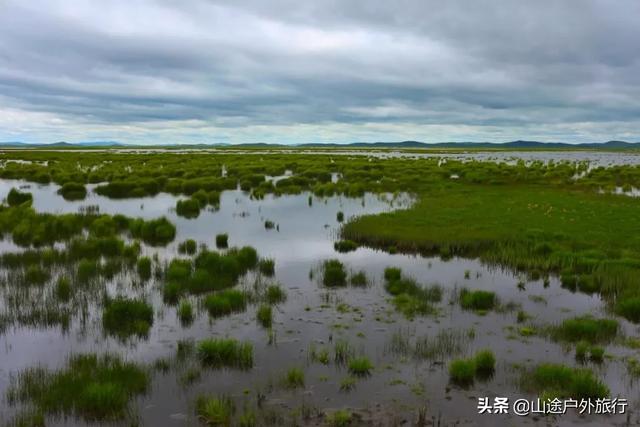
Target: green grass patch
528 227
188 208
275 294
124 317
73 191
185 312
554 380
333 274
63 289
17 198
585 328
143 266
482 365
35 275
222 241
215 411
340 418
345 246
155 232
360 366
225 352
294 378
477 300
409 297
485 361
629 309
462 371
264 316
267 267
91 387
188 247
359 279
225 302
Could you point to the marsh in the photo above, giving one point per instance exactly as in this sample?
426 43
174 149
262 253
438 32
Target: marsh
380 287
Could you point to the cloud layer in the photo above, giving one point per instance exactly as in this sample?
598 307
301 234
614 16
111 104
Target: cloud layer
160 71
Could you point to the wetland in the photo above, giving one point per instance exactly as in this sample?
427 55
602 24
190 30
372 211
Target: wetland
315 288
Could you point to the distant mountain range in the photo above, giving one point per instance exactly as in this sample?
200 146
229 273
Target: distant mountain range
62 144
512 144
403 144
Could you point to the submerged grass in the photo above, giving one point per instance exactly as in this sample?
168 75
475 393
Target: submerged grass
409 297
446 343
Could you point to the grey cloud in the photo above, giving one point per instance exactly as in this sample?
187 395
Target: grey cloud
243 68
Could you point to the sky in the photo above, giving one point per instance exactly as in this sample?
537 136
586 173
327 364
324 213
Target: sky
296 71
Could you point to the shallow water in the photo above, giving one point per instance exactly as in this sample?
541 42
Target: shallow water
310 316
592 157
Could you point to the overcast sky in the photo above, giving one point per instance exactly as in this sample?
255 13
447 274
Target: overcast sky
290 71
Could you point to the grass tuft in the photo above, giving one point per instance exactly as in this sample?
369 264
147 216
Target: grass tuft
225 352
264 316
345 246
125 317
185 312
215 411
267 267
359 279
477 300
222 241
485 361
225 302
294 378
564 382
275 294
585 328
360 366
333 274
462 371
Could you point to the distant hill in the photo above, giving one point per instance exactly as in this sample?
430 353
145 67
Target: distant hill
520 144
62 144
513 144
